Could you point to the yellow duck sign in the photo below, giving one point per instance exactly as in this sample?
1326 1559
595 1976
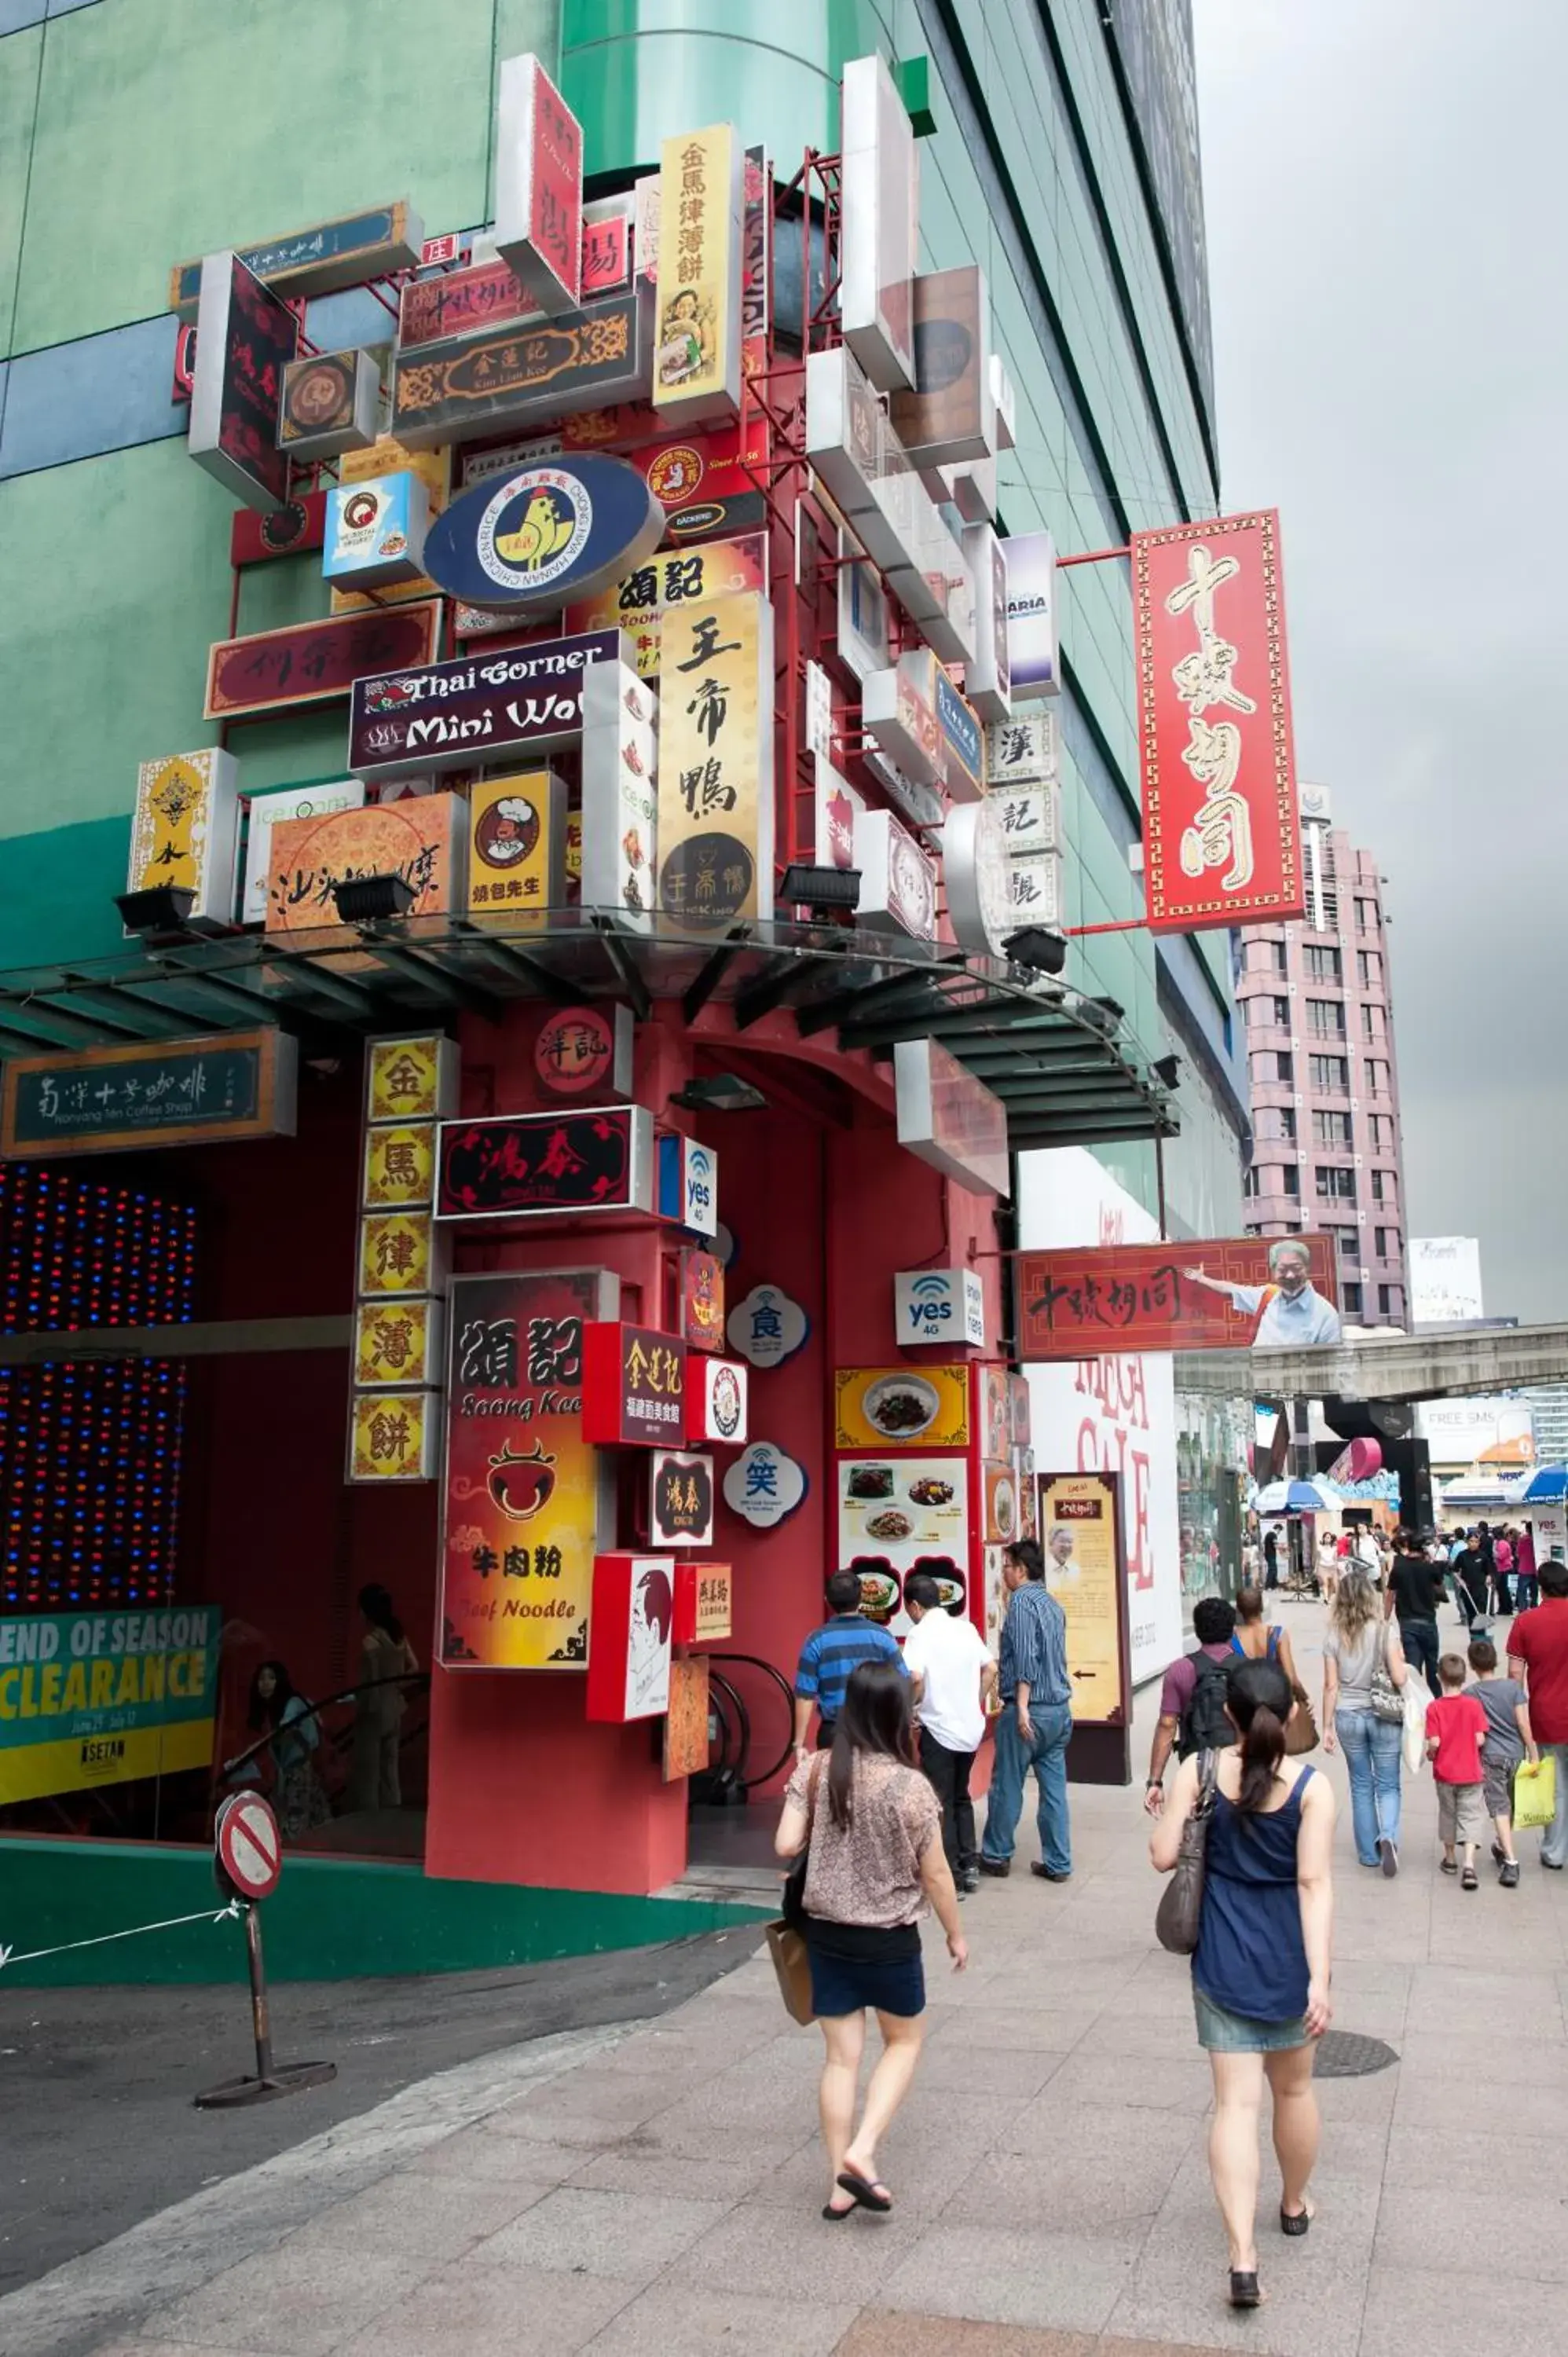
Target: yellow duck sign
547 526
552 531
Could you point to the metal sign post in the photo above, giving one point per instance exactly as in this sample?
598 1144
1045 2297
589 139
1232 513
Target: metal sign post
248 1862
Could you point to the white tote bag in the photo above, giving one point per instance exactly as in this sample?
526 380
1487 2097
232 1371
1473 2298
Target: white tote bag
1412 1743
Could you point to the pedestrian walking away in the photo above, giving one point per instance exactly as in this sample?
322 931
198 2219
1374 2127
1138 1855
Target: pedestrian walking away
1508 1741
1271 1559
1256 1640
1261 1968
871 1827
1035 1724
1455 1730
1360 1652
953 1676
1538 1654
1193 1716
832 1654
1527 1586
385 1657
1417 1588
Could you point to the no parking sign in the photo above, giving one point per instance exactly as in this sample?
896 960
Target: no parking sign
249 1846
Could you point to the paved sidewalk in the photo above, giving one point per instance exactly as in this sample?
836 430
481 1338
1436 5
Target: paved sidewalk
659 2191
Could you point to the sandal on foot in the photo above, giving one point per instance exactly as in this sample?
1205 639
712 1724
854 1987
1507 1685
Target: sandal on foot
1244 2292
1469 1879
1295 2221
1449 1865
836 2216
869 2192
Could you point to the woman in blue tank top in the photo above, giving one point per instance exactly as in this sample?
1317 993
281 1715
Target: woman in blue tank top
1261 1972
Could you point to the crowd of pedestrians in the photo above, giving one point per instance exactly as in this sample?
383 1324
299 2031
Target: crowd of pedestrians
879 1812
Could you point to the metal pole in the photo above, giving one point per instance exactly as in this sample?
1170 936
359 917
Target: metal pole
1301 1470
260 2016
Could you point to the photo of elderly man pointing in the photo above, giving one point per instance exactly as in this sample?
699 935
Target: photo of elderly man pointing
1294 1315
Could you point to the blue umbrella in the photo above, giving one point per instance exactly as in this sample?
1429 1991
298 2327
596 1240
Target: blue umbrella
1547 1486
1313 1497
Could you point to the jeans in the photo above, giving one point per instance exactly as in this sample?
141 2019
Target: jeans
947 1772
1554 1840
1422 1647
1527 1591
1052 1723
1372 1748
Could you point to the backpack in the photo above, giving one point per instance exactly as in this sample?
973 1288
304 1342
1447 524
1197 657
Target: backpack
1203 1725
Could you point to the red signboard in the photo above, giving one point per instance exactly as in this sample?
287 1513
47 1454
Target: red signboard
634 1380
607 255
293 530
1221 834
583 1049
1077 1302
535 1164
539 186
310 662
703 1299
430 309
249 1845
246 336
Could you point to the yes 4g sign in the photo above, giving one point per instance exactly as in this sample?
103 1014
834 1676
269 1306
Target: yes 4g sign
939 1305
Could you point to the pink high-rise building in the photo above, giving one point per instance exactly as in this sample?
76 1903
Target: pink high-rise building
1317 1003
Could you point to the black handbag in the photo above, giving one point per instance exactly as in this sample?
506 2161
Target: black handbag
1180 1909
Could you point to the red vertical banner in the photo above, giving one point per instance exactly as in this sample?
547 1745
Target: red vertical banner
1221 834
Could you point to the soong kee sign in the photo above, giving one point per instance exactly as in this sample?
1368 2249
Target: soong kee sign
1221 831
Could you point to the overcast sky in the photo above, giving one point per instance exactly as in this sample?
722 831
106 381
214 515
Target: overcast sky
1384 187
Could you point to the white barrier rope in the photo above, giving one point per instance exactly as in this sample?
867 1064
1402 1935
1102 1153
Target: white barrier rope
33 1955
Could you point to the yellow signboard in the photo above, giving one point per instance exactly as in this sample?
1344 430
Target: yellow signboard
517 847
715 761
901 1407
696 366
716 569
184 828
411 1078
397 1253
400 1165
390 456
89 1699
394 1435
396 1343
1078 1527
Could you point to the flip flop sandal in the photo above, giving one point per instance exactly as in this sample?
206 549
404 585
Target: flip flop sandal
836 2217
868 2193
1469 1879
1449 1865
1244 2291
1296 2223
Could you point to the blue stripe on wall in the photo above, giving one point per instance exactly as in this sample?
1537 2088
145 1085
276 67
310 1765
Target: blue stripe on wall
15 16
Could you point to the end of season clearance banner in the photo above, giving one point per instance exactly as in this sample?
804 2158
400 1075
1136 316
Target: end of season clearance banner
104 1697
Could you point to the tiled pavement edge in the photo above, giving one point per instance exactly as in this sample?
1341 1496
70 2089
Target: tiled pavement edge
660 2189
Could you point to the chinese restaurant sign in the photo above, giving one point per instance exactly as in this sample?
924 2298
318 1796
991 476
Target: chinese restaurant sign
633 1385
508 376
456 715
246 337
456 303
348 252
637 602
715 769
522 1495
582 1050
420 838
1221 832
1080 1530
185 1092
310 662
901 1407
89 1699
330 404
539 184
517 846
634 1619
681 1499
185 827
535 1164
697 368
1076 1303
557 529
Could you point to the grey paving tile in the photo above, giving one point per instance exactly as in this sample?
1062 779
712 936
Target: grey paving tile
680 2318
1017 2028
1313 2303
625 2098
290 2304
1536 2243
1456 1998
490 2158
1415 2313
1098 2186
1530 2110
718 2175
561 2125
884 2333
475 2311
1014 2277
1146 2082
756 2251
1422 2159
423 2216
985 2070
576 2229
923 2172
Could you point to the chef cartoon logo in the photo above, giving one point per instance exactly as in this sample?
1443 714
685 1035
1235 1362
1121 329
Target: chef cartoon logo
534 528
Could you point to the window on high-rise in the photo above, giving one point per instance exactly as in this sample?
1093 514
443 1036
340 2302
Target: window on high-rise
1369 969
1330 1075
1266 957
1322 962
1334 1185
1388 1296
1348 1242
1371 1022
1377 1074
1383 1133
1388 1243
1331 1129
1366 916
1382 1180
1350 1299
1326 1017
1273 1067
1276 1124
1290 1177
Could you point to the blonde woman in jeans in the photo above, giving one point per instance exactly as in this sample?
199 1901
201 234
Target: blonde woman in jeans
1358 1640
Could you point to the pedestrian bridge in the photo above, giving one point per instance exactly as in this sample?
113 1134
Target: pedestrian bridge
1388 1366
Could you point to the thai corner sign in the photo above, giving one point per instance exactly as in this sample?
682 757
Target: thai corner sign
697 361
239 1084
1221 828
715 768
458 715
550 532
246 337
1275 1292
523 1496
948 1118
89 1699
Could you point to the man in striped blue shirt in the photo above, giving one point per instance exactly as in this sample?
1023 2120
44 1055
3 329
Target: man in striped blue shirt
830 1652
1036 1723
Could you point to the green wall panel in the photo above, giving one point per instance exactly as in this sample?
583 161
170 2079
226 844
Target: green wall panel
19 56
59 891
218 126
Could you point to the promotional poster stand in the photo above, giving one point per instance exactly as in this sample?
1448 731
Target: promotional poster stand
1086 1569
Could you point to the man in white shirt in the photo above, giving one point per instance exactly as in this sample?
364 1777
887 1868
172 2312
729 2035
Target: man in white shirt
945 1655
1291 1312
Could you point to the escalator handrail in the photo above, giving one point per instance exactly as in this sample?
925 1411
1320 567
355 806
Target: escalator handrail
418 1680
770 1669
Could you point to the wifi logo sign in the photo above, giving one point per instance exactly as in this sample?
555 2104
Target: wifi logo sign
926 1306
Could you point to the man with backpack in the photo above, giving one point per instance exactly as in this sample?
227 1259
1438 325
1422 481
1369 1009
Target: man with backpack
1192 1699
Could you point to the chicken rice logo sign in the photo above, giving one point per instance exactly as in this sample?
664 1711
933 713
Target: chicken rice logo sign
534 528
554 529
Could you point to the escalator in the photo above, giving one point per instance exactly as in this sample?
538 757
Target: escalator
751 1708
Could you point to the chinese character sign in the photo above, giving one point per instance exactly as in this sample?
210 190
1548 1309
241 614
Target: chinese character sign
715 764
696 369
1273 1292
421 838
521 1492
634 1385
539 186
184 828
1221 834
246 337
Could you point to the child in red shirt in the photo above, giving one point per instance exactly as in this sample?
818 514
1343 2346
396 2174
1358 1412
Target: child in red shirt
1455 1730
